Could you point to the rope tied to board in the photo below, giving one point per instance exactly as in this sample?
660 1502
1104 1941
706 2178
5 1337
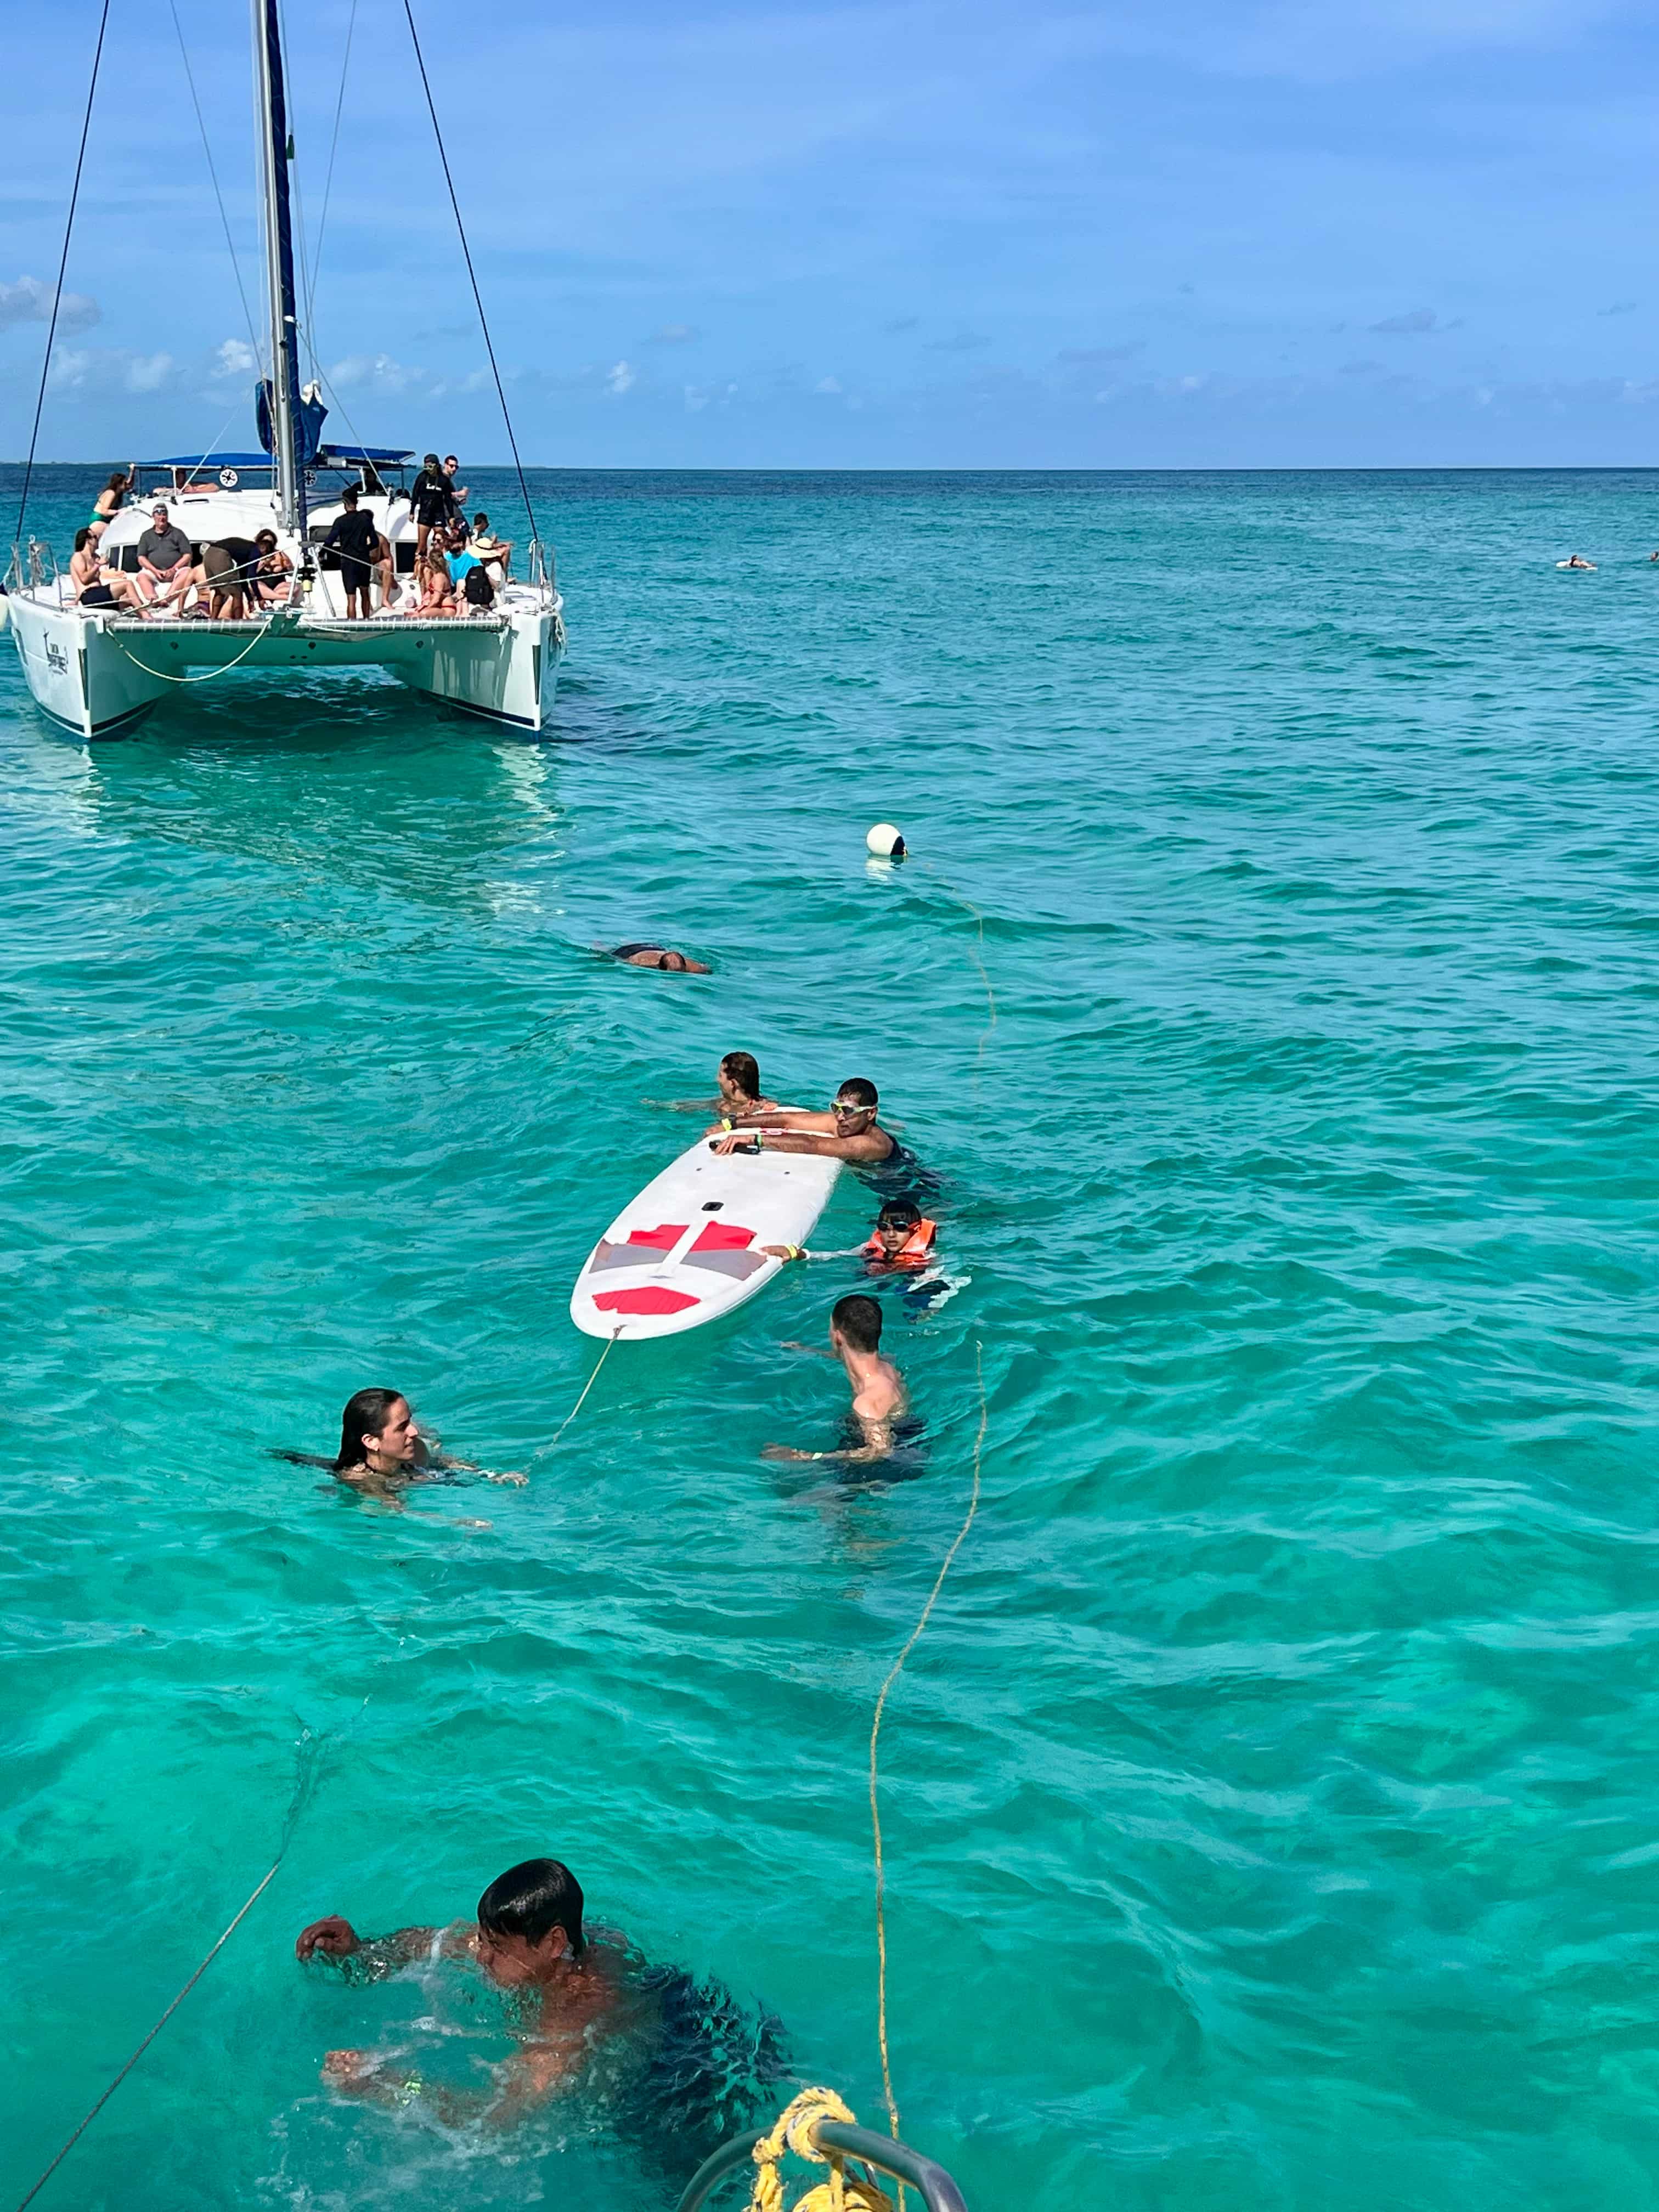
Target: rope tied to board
610 1344
841 2192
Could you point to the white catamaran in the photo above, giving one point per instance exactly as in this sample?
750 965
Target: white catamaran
99 669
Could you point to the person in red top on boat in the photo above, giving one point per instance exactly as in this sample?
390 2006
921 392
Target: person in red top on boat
903 1243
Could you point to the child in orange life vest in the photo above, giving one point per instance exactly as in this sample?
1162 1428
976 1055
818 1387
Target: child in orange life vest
903 1243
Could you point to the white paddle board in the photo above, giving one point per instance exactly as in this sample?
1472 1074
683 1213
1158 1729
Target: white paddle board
687 1250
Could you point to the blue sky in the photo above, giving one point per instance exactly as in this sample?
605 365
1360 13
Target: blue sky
1142 233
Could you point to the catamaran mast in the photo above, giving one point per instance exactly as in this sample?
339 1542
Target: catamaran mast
271 102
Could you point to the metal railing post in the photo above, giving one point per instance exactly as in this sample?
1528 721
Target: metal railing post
938 2192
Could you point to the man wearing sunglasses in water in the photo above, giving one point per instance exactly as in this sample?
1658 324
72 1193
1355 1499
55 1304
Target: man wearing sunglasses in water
849 1131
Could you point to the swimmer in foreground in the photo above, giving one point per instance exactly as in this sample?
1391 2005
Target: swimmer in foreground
879 1398
849 1131
698 2058
1577 560
738 1081
527 1937
660 956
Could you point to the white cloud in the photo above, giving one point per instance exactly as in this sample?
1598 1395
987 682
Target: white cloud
29 300
832 385
620 378
674 334
235 358
148 372
111 368
373 372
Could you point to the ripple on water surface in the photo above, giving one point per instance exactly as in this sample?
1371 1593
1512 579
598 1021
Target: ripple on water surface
1268 1808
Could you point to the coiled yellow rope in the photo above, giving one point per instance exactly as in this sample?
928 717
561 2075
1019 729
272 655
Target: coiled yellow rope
842 2193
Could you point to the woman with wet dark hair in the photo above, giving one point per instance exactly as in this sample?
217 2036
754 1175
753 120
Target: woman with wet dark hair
382 1451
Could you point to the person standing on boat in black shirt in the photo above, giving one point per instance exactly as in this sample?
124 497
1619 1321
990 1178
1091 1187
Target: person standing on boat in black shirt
355 539
431 501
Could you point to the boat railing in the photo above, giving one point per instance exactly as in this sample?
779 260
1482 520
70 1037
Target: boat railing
541 569
895 2159
33 567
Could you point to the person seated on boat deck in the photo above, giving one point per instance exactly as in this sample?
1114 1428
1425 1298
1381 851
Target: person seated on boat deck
431 501
849 1131
165 564
459 556
495 552
95 585
477 595
273 574
436 597
879 1397
355 536
660 956
109 502
677 2062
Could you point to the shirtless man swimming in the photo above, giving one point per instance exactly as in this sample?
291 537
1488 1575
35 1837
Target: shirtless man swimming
849 1131
879 1397
528 1938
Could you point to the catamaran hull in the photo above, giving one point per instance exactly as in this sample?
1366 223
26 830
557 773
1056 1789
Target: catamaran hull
99 676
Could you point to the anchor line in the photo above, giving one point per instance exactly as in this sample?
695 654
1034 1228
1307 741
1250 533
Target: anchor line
893 1673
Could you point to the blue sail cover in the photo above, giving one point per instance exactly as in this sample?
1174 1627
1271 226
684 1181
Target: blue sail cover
307 427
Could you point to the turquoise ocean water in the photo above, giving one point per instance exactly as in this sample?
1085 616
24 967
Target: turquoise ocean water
1272 1806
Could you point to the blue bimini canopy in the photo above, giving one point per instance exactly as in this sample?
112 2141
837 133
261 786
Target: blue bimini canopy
354 456
210 461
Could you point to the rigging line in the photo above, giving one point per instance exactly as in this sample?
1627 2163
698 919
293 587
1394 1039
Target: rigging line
304 1783
478 297
893 1674
328 181
224 220
63 264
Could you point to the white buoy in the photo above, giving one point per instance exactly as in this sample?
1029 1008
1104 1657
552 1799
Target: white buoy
885 843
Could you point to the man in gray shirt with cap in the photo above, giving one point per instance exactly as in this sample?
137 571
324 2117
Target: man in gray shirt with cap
164 559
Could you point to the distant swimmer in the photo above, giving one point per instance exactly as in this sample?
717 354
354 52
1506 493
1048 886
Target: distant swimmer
1577 561
674 2057
879 1398
849 1131
737 1080
662 957
383 1453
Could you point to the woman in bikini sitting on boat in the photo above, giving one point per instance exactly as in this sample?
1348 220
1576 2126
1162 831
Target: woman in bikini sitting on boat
273 578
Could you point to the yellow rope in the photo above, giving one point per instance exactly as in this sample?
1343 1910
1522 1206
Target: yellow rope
894 1673
842 2193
